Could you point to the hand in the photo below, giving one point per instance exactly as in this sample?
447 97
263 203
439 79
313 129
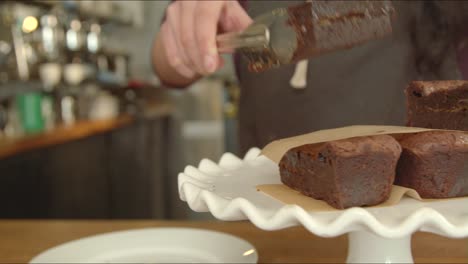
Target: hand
189 33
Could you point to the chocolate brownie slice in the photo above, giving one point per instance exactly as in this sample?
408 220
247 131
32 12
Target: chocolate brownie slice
438 104
336 25
314 28
343 173
435 164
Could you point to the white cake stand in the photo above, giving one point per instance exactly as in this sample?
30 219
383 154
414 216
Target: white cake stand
376 235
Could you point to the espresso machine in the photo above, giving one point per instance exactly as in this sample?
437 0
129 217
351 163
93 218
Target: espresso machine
54 64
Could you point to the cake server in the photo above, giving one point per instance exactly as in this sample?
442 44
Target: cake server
288 35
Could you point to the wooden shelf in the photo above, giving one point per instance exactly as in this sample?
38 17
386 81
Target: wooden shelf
61 134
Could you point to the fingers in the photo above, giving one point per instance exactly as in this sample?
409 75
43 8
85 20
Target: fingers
173 53
190 33
187 34
235 18
208 15
173 14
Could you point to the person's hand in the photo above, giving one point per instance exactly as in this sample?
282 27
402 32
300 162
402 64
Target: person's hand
189 33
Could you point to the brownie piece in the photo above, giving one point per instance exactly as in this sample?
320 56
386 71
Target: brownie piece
314 28
435 164
438 104
344 173
336 25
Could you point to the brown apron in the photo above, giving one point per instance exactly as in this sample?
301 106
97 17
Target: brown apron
363 85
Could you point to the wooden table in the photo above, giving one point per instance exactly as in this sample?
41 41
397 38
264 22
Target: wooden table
21 240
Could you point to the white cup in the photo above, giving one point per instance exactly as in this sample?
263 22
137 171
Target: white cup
50 74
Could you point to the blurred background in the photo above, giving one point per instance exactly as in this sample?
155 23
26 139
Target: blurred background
86 130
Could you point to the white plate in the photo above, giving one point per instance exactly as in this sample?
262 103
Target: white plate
228 190
153 245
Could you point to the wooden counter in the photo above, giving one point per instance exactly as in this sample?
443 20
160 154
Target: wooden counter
61 134
81 129
22 240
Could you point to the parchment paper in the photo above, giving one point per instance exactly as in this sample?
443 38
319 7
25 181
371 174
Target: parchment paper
276 149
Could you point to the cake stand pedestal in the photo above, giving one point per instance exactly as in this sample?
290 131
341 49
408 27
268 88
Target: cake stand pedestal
366 247
227 189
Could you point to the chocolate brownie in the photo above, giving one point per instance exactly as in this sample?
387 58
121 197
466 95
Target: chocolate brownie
438 104
344 173
435 164
336 25
318 27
